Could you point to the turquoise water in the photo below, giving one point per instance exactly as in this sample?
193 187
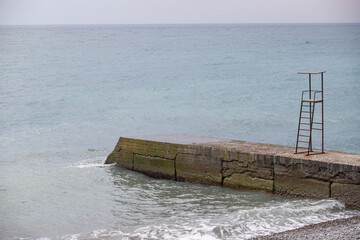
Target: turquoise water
68 93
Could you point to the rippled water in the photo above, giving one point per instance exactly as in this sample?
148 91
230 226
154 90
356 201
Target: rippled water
68 92
90 200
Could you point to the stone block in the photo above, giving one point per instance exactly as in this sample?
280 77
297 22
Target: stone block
112 158
289 167
343 173
247 181
154 166
198 168
301 187
327 171
346 193
150 148
255 165
123 158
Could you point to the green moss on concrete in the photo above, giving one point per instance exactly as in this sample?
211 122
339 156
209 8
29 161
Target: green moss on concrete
154 165
245 181
199 168
199 178
123 158
111 158
248 156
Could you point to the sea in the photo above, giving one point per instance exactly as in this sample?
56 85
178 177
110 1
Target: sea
68 92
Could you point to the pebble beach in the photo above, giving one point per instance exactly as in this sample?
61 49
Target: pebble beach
345 229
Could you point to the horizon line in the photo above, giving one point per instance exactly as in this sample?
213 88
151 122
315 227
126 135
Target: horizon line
210 23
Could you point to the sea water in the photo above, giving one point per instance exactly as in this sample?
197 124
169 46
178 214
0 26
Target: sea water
67 93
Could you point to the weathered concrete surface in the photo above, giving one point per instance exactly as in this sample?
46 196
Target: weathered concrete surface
154 166
247 171
348 193
198 164
243 165
156 159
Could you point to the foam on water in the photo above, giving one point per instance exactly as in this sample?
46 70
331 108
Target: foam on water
239 225
92 162
229 217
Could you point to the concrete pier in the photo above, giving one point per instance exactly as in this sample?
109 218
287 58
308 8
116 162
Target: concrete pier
243 165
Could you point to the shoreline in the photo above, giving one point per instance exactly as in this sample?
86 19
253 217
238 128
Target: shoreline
343 228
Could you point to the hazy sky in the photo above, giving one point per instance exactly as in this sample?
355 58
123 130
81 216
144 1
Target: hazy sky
177 11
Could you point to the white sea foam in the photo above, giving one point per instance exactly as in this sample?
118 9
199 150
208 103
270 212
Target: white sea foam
92 162
263 221
72 237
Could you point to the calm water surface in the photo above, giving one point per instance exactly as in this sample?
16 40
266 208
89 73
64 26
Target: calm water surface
68 92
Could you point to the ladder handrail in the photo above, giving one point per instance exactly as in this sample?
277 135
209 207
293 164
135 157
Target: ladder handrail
311 91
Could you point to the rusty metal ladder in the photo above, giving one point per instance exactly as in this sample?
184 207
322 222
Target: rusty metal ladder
306 116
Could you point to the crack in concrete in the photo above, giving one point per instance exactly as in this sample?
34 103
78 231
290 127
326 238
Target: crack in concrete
222 172
224 176
175 173
316 178
288 165
133 161
273 174
152 156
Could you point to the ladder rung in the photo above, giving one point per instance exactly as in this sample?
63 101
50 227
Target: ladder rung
305 112
317 122
305 129
317 128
